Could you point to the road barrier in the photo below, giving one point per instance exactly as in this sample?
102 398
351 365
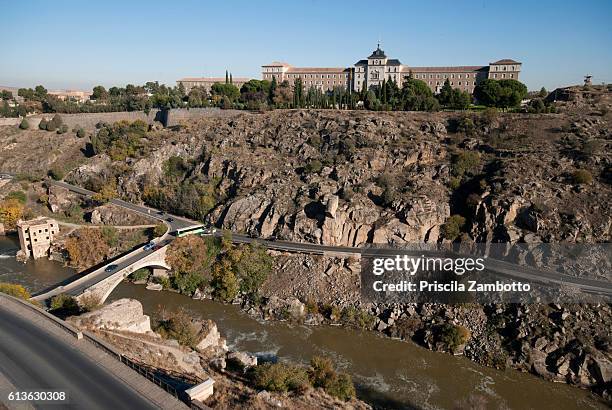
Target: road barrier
57 321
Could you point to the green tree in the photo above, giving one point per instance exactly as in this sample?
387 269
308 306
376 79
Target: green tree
24 124
543 93
99 93
272 90
446 94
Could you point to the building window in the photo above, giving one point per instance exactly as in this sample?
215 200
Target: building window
494 75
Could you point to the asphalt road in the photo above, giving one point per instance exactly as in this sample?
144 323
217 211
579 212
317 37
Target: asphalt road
33 359
508 270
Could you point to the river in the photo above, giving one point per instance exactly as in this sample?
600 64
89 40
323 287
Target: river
389 372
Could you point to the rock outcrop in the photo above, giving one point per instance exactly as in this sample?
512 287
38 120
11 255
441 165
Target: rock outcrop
122 315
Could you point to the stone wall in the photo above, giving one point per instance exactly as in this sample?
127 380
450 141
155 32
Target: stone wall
89 120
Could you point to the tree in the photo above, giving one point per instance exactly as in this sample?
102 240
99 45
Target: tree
226 78
272 90
543 93
11 210
40 91
6 95
224 282
460 100
24 124
86 247
503 93
283 95
99 93
417 96
445 96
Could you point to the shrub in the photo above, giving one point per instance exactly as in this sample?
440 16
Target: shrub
17 291
55 123
80 133
18 195
110 235
582 176
89 303
62 129
313 167
24 125
177 325
452 227
64 305
357 318
141 274
43 124
322 374
160 230
489 116
57 173
465 162
453 336
279 377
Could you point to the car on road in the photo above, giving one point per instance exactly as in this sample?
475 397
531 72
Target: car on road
170 219
5 176
272 238
209 231
110 268
160 213
149 246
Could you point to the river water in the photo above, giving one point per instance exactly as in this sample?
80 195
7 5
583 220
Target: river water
388 372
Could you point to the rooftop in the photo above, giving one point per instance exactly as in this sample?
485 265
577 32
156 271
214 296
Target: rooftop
316 70
277 64
378 53
506 61
214 79
456 69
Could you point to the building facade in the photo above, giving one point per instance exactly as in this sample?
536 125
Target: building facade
35 236
325 78
207 82
378 67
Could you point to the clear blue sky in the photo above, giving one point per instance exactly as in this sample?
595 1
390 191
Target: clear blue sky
78 44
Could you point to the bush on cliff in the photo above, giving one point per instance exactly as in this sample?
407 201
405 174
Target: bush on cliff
582 176
64 305
279 377
453 336
24 124
323 374
452 227
176 325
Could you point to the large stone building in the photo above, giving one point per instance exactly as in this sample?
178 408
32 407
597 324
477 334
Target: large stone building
207 82
378 67
35 236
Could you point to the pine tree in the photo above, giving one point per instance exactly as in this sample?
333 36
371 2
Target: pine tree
226 77
231 79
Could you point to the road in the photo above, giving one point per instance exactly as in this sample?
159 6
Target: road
33 359
505 269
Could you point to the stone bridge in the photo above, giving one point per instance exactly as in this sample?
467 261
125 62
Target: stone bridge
99 284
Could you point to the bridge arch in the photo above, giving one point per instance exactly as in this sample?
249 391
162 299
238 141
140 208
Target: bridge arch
100 291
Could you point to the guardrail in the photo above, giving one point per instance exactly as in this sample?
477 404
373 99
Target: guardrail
57 321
